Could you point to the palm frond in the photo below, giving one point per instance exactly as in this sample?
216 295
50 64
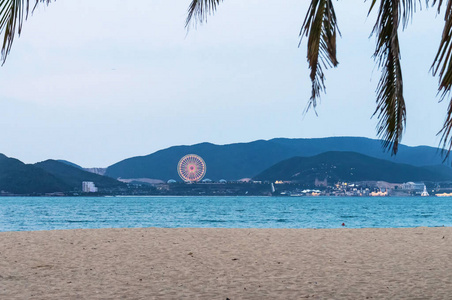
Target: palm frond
320 26
12 15
406 7
442 64
391 110
200 9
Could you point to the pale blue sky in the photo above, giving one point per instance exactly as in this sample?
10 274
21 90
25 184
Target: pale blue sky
95 82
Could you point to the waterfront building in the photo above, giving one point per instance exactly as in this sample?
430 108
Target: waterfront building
89 187
416 186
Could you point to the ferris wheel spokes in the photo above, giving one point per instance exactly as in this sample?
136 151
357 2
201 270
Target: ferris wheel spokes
191 168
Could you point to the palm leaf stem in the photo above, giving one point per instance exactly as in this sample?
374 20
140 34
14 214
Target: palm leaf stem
320 26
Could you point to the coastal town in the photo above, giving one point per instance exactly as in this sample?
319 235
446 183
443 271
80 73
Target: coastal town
192 170
248 187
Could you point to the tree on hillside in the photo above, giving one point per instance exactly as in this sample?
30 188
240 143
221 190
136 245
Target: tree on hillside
321 30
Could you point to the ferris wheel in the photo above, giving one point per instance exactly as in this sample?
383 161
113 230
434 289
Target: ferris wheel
191 168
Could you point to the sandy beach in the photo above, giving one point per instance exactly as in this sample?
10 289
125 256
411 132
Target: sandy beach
152 263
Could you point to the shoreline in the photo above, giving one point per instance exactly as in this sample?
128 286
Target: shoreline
214 196
220 263
226 228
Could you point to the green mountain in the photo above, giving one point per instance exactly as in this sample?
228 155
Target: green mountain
19 178
69 163
236 161
350 166
48 177
73 176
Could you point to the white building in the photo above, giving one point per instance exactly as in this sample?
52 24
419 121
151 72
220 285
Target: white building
89 187
413 186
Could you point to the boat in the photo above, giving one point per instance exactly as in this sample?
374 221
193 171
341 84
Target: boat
425 193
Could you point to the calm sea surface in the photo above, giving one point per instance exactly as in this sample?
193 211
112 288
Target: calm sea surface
45 213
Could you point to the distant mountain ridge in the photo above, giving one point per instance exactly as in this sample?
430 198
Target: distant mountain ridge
73 176
350 167
19 178
69 163
98 171
242 160
49 176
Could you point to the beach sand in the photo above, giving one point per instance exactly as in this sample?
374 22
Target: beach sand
152 263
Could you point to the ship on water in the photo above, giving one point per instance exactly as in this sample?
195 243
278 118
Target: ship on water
425 193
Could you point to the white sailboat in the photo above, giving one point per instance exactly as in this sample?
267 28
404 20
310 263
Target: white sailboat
425 193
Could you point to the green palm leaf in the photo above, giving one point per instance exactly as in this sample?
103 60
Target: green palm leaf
321 29
390 102
12 15
391 109
320 26
443 65
199 9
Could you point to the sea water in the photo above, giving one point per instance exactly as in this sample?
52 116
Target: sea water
48 213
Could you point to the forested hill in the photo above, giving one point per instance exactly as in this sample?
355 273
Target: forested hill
351 167
48 177
241 160
19 178
73 176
